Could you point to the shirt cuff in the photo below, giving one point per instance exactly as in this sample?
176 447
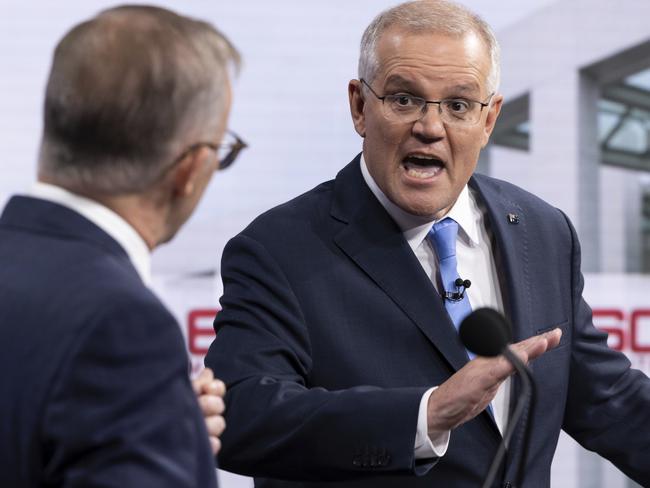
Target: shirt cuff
425 446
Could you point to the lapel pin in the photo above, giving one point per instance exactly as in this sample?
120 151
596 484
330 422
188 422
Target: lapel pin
513 218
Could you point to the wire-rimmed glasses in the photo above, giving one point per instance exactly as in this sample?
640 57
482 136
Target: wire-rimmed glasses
406 108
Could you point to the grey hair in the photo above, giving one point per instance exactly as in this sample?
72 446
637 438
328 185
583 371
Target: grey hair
428 16
126 90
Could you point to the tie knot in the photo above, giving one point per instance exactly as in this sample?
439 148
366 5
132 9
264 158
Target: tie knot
443 237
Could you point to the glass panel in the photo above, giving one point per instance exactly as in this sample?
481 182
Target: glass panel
632 136
605 105
640 79
606 122
642 116
624 121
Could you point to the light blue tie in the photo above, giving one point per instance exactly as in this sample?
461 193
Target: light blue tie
442 237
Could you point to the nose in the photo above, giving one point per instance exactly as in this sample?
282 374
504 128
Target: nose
430 126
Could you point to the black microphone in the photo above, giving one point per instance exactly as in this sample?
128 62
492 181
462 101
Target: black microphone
455 296
486 332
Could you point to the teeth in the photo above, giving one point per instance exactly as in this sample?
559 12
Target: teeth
422 172
422 166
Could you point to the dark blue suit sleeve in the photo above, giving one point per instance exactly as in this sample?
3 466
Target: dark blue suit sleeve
279 425
122 412
607 405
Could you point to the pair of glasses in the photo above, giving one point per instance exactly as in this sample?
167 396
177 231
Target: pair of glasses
406 108
227 150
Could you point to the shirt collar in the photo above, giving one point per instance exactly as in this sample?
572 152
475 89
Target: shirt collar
465 211
104 218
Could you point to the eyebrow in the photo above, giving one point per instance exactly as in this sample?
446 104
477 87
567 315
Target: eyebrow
408 84
400 81
472 88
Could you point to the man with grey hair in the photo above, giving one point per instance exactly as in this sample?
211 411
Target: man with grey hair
338 337
96 389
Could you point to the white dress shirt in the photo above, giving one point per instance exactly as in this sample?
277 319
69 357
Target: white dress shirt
475 262
104 218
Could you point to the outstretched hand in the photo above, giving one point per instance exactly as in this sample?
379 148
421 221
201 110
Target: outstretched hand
470 390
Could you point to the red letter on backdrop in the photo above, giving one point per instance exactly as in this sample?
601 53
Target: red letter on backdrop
635 325
611 321
199 327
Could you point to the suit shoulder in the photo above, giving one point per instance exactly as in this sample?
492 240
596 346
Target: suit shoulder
299 211
543 219
123 301
82 288
518 196
120 288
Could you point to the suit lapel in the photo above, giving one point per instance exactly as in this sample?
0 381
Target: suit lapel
507 223
375 243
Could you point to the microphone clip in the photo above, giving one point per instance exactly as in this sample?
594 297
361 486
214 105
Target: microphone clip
456 296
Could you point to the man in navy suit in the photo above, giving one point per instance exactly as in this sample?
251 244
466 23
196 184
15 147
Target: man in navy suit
337 336
95 388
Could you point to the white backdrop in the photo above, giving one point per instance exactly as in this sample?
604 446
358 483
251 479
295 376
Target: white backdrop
291 106
290 100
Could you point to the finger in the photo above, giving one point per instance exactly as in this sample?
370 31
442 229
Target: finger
211 405
215 444
554 336
535 346
215 425
215 387
204 378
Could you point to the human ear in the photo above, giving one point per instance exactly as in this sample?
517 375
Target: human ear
187 172
357 104
493 113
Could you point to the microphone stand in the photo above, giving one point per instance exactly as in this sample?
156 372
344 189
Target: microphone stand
528 390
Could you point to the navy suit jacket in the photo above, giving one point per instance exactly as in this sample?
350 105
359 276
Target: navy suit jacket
94 388
331 332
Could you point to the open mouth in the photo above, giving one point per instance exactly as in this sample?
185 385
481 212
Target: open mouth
422 166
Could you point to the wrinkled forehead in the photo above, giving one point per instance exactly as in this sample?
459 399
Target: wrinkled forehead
400 51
